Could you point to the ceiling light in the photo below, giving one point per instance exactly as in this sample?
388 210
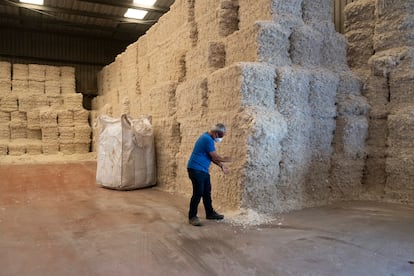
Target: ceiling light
134 13
36 2
145 2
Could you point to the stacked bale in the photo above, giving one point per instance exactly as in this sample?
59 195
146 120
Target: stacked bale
20 82
5 78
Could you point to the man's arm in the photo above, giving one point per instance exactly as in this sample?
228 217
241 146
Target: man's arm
218 160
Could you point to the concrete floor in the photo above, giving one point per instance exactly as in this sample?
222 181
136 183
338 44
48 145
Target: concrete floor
54 220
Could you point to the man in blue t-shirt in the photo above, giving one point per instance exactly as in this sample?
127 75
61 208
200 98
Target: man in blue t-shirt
203 154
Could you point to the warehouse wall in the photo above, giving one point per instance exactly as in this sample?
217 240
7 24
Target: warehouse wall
274 72
87 55
381 52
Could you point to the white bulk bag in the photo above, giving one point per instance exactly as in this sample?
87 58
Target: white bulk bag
126 153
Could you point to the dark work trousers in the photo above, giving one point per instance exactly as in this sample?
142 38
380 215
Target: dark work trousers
201 189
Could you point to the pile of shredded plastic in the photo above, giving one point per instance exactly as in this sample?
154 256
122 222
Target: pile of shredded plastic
248 217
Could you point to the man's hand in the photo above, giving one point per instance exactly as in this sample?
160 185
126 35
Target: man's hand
225 169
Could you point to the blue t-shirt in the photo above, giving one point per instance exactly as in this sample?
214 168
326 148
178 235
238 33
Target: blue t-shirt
200 158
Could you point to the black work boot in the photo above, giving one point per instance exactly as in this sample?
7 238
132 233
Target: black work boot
195 221
214 215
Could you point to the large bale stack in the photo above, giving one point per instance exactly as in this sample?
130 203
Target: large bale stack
41 112
275 73
382 52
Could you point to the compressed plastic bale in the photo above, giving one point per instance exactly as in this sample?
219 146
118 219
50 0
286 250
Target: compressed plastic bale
334 47
126 154
322 96
292 8
351 133
270 43
293 88
314 11
306 46
321 138
401 87
352 105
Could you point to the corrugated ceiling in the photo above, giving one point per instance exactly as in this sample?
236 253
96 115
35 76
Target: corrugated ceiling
91 18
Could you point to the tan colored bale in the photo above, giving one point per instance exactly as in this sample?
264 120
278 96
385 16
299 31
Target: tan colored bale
4 131
5 87
82 147
4 147
8 103
251 11
5 117
33 119
50 148
73 101
82 132
52 73
48 117
20 72
65 118
34 134
50 134
18 129
36 87
66 134
67 148
55 101
36 73
34 147
5 70
17 148
20 87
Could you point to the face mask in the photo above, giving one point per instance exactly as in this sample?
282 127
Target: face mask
218 140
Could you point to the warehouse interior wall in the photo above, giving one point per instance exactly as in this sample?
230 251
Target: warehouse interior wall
87 55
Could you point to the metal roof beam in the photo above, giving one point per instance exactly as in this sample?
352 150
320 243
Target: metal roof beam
44 8
127 4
